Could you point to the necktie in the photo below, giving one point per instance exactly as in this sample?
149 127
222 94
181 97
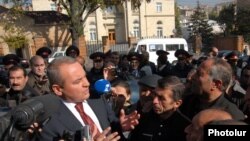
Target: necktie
86 119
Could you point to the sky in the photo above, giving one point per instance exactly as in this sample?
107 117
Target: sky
193 3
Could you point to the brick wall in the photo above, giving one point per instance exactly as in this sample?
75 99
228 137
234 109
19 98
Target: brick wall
82 46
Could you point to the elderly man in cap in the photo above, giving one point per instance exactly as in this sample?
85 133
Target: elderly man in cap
183 66
147 86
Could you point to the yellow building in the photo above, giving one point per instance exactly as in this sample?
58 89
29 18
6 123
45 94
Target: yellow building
156 18
117 24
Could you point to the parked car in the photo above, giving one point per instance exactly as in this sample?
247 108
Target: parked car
224 53
55 55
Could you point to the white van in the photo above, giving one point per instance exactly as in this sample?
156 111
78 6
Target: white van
168 44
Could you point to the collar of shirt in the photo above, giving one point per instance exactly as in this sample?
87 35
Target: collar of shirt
87 110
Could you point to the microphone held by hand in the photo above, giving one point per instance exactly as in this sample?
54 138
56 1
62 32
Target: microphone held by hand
102 86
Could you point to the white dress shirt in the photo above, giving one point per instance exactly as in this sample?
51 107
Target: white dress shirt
87 110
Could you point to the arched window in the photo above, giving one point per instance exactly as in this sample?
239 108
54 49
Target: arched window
159 22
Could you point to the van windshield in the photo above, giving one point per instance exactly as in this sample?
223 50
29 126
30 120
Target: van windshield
155 47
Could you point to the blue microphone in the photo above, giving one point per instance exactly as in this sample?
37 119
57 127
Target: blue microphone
102 86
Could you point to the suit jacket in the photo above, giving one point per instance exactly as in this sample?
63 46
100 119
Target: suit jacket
153 128
64 124
192 105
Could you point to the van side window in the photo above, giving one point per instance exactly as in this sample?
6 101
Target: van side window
181 46
172 47
155 47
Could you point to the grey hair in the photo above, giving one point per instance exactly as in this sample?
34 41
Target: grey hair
175 84
53 70
34 59
221 70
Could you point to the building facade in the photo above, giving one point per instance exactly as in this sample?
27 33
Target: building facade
117 23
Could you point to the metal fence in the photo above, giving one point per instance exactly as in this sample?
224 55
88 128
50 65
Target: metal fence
94 46
122 48
97 46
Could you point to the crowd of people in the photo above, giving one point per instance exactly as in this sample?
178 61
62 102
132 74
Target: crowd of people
176 100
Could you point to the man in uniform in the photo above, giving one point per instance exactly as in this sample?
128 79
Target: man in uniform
44 52
72 51
183 66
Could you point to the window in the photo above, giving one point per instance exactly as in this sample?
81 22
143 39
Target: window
181 46
53 6
159 29
155 47
174 47
159 23
110 9
92 32
159 32
136 29
158 7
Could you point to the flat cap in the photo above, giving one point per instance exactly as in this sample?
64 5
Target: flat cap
11 59
97 55
181 53
44 52
161 52
134 56
72 51
149 80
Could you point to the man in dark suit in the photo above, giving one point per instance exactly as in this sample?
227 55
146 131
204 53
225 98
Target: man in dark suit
68 81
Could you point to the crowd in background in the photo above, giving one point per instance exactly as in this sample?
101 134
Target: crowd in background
176 100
